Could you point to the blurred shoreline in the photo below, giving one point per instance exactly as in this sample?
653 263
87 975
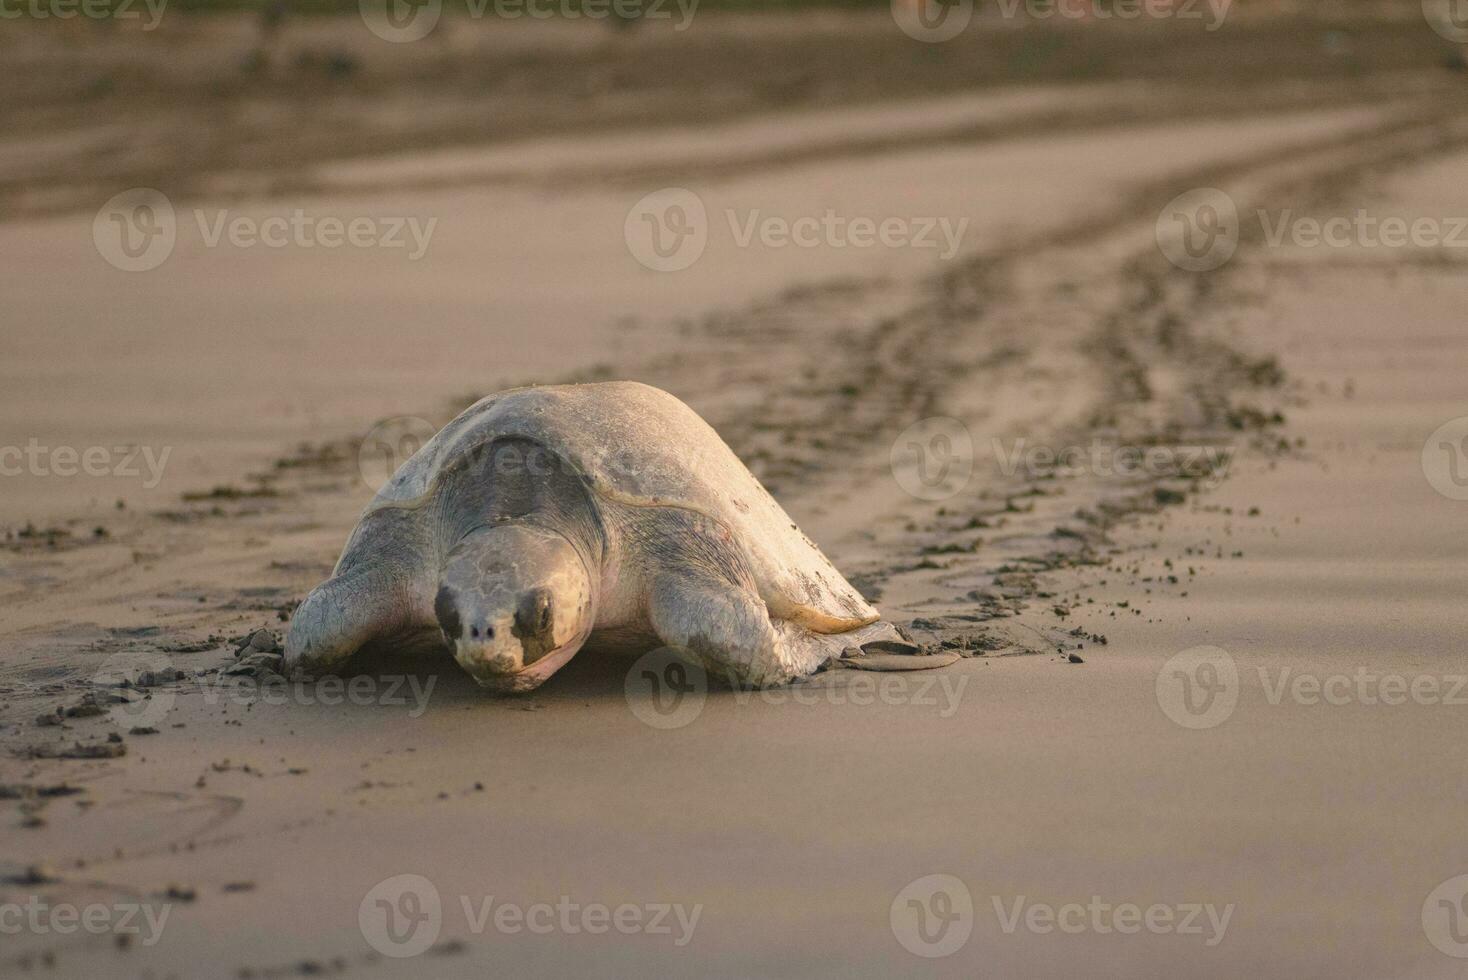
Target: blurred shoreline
244 105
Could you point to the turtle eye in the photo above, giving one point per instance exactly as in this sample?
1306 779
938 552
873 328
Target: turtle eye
535 612
446 607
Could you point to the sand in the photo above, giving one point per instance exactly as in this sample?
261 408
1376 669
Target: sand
788 822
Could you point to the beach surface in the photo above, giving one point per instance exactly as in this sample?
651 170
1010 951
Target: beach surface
1193 531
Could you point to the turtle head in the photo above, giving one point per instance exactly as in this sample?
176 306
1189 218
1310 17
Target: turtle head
515 603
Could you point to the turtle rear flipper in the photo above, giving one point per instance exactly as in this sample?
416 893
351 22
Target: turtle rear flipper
899 661
876 646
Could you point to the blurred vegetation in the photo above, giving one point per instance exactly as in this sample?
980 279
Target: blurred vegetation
1349 8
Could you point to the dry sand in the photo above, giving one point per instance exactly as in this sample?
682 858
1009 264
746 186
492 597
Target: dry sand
790 820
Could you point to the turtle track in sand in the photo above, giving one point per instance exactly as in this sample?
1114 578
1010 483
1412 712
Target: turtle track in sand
1073 334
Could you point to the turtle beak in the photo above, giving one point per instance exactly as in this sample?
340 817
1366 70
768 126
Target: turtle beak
527 678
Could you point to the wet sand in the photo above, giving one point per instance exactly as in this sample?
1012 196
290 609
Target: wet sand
225 354
792 820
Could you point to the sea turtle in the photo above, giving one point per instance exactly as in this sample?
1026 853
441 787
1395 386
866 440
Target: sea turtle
543 518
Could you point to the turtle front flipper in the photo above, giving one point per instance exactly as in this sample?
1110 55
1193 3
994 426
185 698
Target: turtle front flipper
719 626
347 612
